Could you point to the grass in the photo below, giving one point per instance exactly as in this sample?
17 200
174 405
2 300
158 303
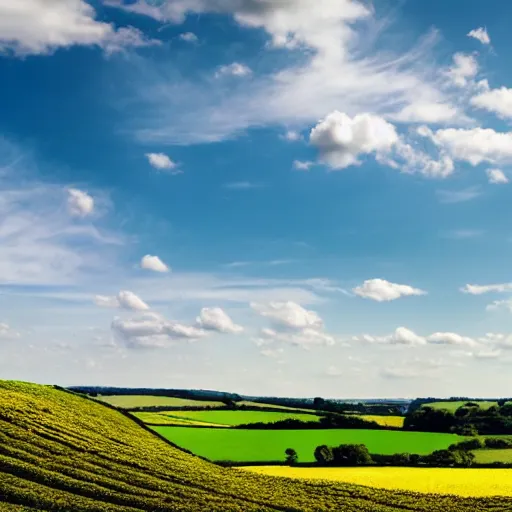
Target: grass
453 406
165 418
386 421
488 456
60 452
462 482
269 445
273 406
133 401
240 417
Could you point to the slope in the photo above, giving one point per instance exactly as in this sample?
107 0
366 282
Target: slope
61 452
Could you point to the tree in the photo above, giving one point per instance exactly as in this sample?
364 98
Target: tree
323 454
351 455
318 402
502 402
291 456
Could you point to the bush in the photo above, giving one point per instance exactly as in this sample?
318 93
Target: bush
291 456
497 443
470 444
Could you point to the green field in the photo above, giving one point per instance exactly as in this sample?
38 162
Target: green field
272 406
488 456
453 406
133 401
64 453
240 417
160 418
269 445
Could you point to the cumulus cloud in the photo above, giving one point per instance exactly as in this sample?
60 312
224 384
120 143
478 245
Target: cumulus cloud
500 304
476 289
289 314
151 330
305 338
233 69
497 101
189 37
41 27
450 338
480 34
401 336
124 299
161 162
496 176
153 263
341 139
475 145
7 333
215 319
465 67
80 203
382 290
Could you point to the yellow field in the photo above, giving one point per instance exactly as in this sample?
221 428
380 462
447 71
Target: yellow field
462 482
386 421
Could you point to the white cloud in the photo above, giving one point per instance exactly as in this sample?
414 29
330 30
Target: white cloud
241 185
480 34
302 166
476 289
464 67
215 319
272 352
151 330
80 203
462 234
289 314
497 341
458 196
292 136
487 354
342 65
161 162
333 371
189 37
305 338
382 290
31 27
401 336
498 101
7 333
426 113
496 176
401 373
475 145
233 69
450 338
153 263
500 304
340 139
124 299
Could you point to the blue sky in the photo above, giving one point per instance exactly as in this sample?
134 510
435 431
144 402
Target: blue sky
263 197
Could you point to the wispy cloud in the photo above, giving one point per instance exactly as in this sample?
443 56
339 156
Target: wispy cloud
242 185
459 196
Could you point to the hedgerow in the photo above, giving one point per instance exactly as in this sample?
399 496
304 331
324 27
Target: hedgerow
60 452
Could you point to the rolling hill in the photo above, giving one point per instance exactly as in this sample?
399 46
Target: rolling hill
62 452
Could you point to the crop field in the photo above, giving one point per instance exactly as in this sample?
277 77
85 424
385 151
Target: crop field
269 445
164 418
133 401
488 456
385 421
240 417
462 482
273 406
62 452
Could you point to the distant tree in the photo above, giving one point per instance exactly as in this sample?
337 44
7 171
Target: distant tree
472 404
291 456
318 402
506 409
231 404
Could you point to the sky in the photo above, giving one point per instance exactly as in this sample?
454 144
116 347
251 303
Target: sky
283 197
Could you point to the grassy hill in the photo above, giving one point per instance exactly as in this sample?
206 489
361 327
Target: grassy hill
60 452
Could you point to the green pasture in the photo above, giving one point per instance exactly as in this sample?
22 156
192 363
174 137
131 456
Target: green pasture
487 456
234 418
270 445
133 401
453 406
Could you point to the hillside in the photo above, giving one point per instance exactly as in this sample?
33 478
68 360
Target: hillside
61 452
